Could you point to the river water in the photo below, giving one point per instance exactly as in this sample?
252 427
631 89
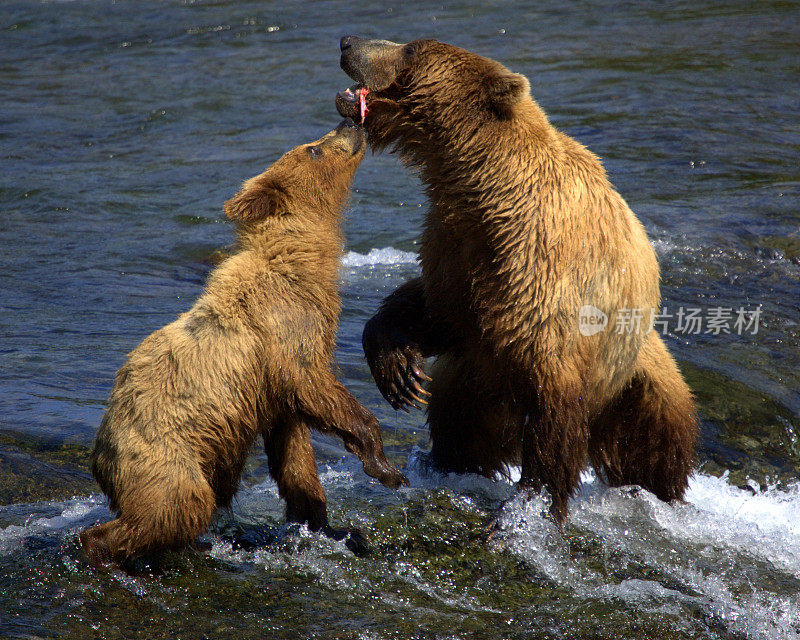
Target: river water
123 128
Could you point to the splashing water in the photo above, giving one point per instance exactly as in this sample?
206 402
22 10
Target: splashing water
112 195
729 557
387 256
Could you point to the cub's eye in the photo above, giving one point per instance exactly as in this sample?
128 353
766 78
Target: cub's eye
314 152
410 49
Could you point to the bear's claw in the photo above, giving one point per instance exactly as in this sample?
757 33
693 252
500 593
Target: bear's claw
387 474
401 372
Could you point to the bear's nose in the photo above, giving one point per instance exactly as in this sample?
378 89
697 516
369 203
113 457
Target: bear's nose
347 42
347 123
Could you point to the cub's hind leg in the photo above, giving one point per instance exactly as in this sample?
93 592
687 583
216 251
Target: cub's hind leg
163 509
293 467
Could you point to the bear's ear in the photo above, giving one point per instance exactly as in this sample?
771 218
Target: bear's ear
256 201
505 90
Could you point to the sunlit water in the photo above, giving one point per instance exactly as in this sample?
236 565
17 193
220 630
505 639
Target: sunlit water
124 127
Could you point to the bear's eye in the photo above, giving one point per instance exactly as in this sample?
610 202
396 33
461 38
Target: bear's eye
314 152
410 49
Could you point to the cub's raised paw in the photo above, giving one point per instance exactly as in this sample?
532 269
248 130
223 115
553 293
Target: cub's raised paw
386 473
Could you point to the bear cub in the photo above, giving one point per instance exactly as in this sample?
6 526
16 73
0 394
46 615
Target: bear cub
252 356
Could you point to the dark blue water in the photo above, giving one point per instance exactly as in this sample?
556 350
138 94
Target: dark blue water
124 127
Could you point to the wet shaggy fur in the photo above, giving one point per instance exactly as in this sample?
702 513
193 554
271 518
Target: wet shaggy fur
523 230
252 356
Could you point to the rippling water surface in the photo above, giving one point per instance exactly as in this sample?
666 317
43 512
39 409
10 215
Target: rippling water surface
123 128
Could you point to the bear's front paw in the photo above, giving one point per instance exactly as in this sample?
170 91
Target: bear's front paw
405 379
386 473
396 365
399 376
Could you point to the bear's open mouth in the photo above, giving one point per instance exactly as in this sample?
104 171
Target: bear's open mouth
352 102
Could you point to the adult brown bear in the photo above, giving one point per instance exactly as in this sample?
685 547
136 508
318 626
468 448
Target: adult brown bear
524 231
251 357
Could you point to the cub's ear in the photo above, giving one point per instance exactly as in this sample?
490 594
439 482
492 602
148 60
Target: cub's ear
505 90
256 200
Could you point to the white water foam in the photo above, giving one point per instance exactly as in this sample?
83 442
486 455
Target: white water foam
663 247
50 518
387 256
723 550
732 553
